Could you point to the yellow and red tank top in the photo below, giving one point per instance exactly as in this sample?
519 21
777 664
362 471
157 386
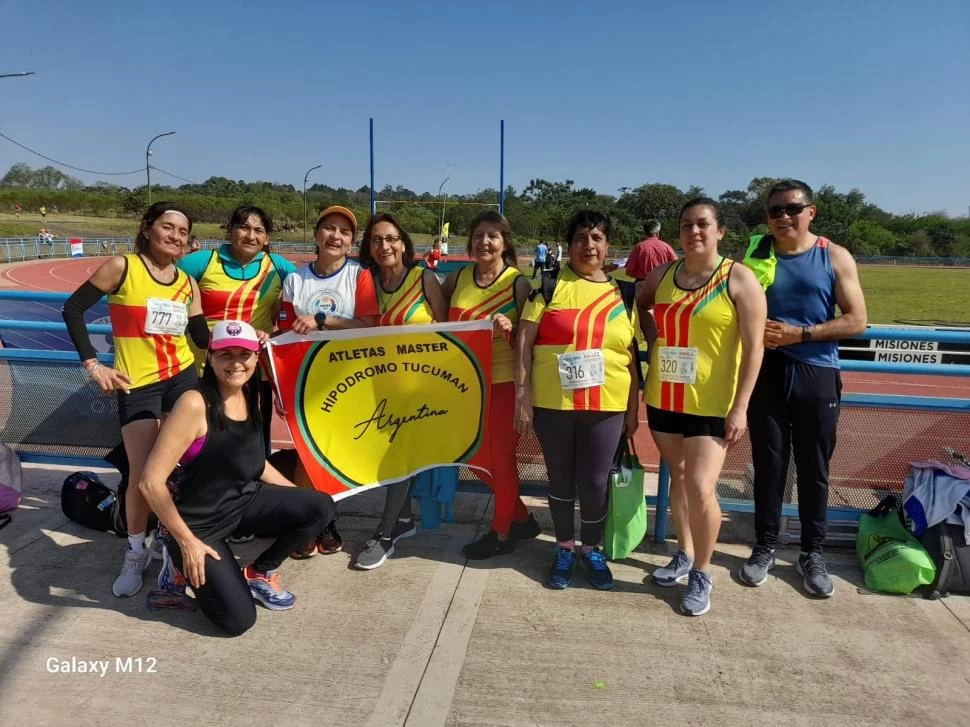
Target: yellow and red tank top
225 298
703 325
581 315
470 302
147 358
405 306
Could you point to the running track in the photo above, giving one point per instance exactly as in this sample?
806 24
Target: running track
874 445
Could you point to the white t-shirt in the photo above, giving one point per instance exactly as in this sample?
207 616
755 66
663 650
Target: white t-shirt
336 294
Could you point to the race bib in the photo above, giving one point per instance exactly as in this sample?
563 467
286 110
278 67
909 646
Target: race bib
581 369
166 317
678 364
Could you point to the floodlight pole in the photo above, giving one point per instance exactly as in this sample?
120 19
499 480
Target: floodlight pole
305 177
441 227
148 168
501 168
373 204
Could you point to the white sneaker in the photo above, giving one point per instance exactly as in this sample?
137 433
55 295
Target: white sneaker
130 580
156 548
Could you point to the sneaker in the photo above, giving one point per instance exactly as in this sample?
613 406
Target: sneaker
697 600
307 550
561 573
675 571
266 589
525 530
811 566
487 546
130 580
375 552
156 547
169 578
403 529
236 539
599 574
754 572
329 541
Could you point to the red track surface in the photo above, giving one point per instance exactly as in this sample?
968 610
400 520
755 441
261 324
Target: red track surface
874 444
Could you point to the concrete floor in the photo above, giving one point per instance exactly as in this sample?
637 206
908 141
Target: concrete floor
430 639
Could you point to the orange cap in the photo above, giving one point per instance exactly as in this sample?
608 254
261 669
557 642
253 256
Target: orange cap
338 210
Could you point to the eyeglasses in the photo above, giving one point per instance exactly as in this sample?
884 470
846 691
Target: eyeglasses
389 239
792 210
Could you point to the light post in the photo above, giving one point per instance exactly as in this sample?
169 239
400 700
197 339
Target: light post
148 169
305 177
442 225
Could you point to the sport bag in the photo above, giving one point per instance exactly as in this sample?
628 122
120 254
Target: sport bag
86 500
11 483
947 546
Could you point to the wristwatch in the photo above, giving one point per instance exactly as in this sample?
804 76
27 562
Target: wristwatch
806 334
320 319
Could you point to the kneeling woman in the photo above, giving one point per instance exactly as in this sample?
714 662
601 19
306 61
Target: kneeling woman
228 487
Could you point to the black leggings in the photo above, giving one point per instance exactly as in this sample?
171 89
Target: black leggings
794 410
578 447
291 515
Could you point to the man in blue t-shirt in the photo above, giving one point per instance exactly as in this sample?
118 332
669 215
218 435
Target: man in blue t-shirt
795 404
539 263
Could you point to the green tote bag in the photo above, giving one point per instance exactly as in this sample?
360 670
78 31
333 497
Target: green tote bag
626 517
893 561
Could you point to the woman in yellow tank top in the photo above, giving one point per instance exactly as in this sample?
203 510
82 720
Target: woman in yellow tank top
406 295
494 288
152 305
703 319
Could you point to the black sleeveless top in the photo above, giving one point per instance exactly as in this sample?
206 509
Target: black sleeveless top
218 485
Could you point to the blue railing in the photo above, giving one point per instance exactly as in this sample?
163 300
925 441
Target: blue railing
874 401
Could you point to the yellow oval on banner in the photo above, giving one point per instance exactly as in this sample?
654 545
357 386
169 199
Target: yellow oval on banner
378 409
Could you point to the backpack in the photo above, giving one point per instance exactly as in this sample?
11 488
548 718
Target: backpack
11 483
86 500
947 546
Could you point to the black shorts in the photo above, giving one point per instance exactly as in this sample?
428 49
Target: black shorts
687 425
150 402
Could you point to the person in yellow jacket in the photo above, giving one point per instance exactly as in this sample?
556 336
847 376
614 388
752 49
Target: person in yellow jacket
152 305
703 319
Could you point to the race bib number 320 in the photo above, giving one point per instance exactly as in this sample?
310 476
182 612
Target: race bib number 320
581 369
166 317
678 364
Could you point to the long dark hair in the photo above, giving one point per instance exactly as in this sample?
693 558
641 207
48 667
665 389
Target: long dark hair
209 388
151 216
367 259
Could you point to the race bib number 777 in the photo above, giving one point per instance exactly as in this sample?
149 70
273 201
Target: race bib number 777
166 317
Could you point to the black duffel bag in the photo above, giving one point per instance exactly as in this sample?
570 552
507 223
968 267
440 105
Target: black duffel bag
948 548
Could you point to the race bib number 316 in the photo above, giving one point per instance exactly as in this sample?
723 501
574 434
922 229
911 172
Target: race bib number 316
166 317
678 364
581 369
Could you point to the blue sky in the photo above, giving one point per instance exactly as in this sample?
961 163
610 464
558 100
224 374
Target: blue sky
874 95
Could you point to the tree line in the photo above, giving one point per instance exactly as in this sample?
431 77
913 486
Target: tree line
539 211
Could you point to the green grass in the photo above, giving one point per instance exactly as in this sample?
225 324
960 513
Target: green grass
896 294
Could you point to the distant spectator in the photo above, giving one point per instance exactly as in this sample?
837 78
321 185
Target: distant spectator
433 256
649 253
17 210
539 262
194 244
43 212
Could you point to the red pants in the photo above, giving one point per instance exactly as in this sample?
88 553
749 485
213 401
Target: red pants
503 442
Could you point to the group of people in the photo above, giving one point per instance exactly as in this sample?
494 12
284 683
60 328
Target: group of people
565 365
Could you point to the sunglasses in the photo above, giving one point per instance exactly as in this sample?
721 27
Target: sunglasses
792 210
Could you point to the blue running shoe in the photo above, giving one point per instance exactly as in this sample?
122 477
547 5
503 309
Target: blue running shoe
597 571
697 600
266 589
561 573
675 571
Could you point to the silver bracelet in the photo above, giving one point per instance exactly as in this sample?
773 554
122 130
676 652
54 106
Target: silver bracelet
91 369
